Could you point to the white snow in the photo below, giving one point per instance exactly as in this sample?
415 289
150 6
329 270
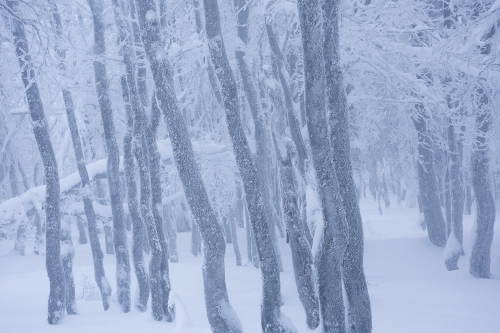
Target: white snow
410 289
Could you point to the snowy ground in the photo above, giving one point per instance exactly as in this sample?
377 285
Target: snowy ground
410 289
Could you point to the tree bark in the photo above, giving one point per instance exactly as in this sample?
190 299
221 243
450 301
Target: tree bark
156 196
263 162
271 303
335 231
427 183
97 255
480 166
221 316
133 205
57 299
358 301
67 256
113 173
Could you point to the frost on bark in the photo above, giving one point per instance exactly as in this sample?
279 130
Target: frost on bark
221 315
454 249
359 317
57 299
454 188
480 162
133 205
283 78
301 252
427 183
156 196
271 317
97 255
334 235
113 172
159 295
171 235
263 162
480 170
67 256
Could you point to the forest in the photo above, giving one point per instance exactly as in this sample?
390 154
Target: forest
275 166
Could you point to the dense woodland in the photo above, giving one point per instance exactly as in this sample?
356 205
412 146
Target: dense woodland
130 121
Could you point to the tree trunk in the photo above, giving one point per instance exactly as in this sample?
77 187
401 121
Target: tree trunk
221 316
301 251
334 234
82 234
480 166
97 255
263 162
429 193
133 205
171 235
454 248
57 299
234 236
156 196
159 296
358 301
271 303
67 256
113 172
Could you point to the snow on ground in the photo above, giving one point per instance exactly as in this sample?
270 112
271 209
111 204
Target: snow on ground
410 289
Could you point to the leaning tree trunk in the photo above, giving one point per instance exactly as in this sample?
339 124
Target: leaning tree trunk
480 166
358 301
97 255
221 315
301 252
263 162
113 171
57 299
427 182
334 234
271 303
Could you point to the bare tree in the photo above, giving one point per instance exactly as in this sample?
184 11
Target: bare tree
113 172
335 231
221 315
57 299
95 246
358 301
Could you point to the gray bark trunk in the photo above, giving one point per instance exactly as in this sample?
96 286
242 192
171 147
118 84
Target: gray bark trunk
82 234
133 205
141 153
301 251
334 234
57 299
171 235
234 236
263 156
271 303
113 172
221 316
358 301
480 166
97 255
456 201
427 182
156 196
67 256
